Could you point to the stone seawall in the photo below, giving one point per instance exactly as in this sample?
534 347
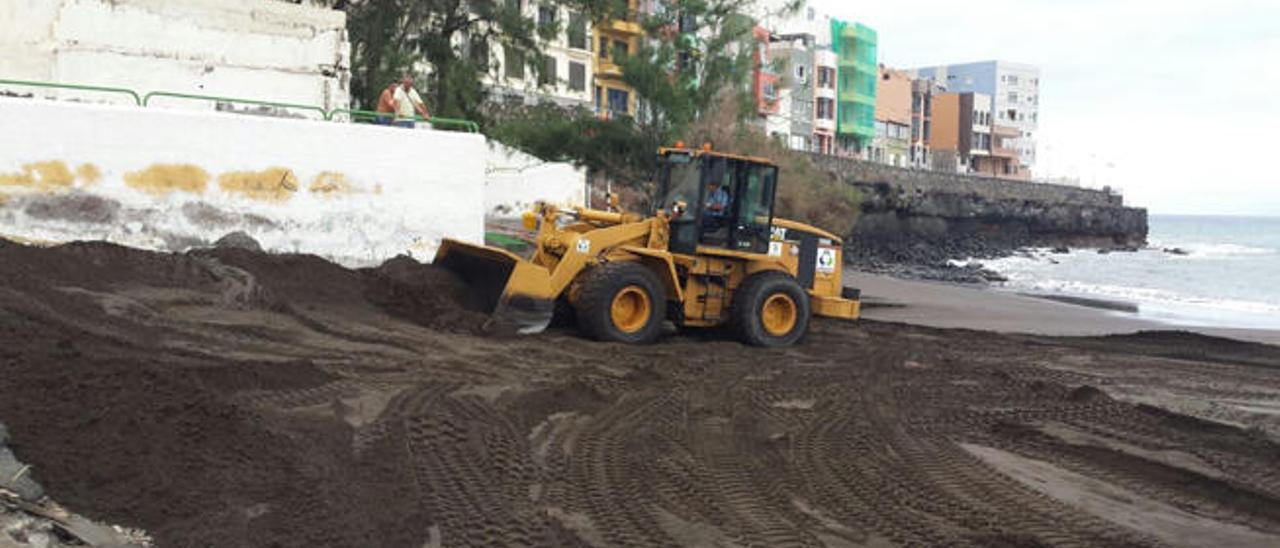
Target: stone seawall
916 215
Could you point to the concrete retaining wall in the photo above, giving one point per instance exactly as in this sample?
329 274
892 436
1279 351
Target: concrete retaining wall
253 49
515 180
170 179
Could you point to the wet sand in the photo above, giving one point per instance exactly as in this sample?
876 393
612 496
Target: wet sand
949 305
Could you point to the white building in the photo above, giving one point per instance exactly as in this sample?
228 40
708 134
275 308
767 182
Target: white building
271 51
567 75
1014 89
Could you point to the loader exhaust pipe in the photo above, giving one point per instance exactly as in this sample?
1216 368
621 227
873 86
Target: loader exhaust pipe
512 291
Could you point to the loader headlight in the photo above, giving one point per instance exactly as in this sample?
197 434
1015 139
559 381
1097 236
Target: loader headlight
529 220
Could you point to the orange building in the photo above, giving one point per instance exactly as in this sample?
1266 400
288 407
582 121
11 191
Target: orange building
763 78
892 143
965 138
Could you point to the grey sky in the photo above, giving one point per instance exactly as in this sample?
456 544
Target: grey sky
1174 102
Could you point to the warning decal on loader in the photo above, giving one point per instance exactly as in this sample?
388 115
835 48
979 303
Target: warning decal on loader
826 260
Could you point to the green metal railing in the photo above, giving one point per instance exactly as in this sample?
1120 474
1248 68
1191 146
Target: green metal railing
77 87
366 116
146 101
327 115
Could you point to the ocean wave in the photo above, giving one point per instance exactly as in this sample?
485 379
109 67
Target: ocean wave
1216 250
1137 294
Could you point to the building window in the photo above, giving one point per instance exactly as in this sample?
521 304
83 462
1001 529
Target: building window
1013 79
1013 96
514 63
826 109
926 131
800 74
688 23
513 5
620 50
480 52
577 31
604 47
824 78
618 102
915 129
546 16
577 76
549 75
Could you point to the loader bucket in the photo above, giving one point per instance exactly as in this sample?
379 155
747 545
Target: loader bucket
513 291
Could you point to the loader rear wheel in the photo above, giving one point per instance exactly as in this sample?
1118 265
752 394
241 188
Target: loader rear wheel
770 309
621 302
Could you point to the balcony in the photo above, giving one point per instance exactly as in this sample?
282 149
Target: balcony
1001 141
605 68
628 25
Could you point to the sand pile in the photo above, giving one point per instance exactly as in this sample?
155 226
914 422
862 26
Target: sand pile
116 386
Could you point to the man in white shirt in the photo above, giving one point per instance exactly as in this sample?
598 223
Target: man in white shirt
408 103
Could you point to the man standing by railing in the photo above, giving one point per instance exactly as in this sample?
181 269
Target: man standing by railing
408 103
387 105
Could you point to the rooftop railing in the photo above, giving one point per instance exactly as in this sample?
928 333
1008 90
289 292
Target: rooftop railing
351 115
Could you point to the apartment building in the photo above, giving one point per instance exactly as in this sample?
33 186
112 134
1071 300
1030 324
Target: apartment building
563 75
764 77
792 56
892 143
1014 91
811 30
825 69
922 92
613 39
961 141
855 46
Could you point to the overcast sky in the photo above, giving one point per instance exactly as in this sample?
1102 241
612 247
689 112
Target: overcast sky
1175 102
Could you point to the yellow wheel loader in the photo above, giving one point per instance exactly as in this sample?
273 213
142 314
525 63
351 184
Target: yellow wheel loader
712 254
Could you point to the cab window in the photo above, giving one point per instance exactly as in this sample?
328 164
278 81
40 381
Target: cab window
754 215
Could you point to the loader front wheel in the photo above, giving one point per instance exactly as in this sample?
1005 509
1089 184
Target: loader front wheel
770 309
621 302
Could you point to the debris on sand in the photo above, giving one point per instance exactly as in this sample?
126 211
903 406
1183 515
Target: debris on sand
29 518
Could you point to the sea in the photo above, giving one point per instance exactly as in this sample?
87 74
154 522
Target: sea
1214 271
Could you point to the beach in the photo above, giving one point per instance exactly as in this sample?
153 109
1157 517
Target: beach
986 308
234 398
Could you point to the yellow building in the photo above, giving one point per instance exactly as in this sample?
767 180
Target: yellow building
612 38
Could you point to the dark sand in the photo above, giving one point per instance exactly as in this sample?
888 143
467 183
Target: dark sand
235 399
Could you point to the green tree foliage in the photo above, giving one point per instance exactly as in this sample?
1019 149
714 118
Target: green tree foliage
694 52
453 38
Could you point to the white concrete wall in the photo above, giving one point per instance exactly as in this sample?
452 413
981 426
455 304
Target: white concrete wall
515 180
257 49
170 179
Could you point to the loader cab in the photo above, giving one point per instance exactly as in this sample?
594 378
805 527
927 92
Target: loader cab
685 187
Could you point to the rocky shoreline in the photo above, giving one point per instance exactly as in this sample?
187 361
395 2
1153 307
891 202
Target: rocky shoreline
951 262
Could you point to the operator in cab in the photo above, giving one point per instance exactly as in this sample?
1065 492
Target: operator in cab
717 206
